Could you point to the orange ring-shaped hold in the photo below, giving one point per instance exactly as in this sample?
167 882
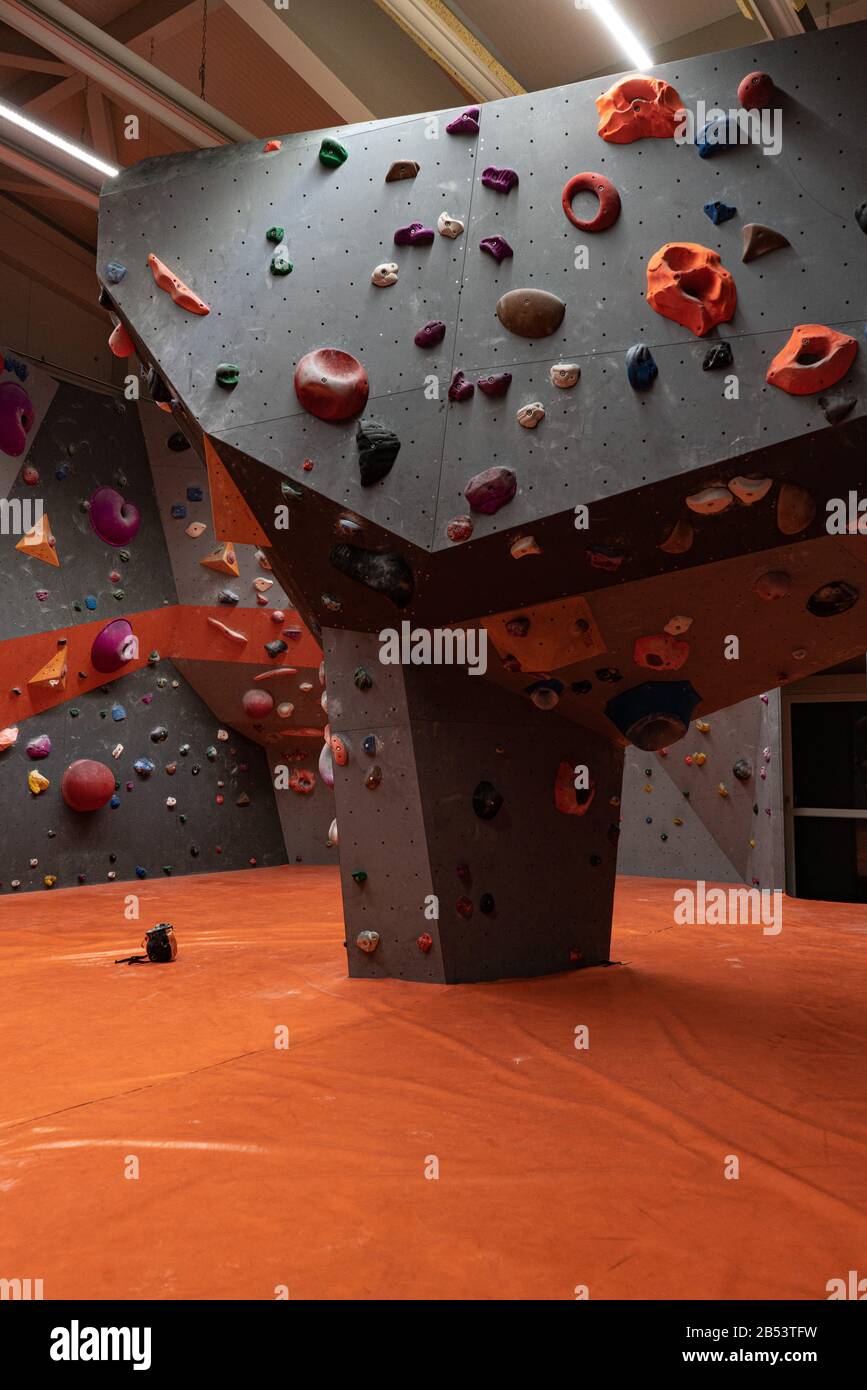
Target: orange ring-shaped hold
609 202
302 781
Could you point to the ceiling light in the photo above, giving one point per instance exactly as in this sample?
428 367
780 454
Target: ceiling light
618 30
52 137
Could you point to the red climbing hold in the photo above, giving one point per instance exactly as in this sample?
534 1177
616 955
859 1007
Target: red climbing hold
609 202
755 91
87 785
331 384
120 343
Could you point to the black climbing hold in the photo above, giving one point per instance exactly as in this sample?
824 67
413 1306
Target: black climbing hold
581 687
832 599
277 647
655 714
743 769
383 572
486 801
717 357
378 447
486 903
861 215
363 679
836 408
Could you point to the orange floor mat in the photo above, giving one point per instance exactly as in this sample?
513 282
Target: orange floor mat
304 1167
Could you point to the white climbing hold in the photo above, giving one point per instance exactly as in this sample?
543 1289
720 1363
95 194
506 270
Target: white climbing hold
750 490
196 529
263 585
385 274
564 374
530 415
524 545
710 501
449 226
285 710
117 750
223 735
332 833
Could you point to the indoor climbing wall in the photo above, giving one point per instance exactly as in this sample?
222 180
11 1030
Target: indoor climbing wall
544 371
114 762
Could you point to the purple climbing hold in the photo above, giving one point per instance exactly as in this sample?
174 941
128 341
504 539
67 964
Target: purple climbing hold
490 490
501 180
114 646
39 747
114 520
496 246
416 234
460 389
495 385
431 334
465 124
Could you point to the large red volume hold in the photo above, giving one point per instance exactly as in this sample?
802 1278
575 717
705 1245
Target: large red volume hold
331 384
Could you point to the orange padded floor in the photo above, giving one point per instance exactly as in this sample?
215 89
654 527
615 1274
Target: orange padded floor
304 1167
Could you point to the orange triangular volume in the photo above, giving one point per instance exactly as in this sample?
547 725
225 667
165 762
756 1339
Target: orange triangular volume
52 674
233 519
222 559
40 543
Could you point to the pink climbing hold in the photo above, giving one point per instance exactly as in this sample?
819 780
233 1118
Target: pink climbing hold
490 490
460 389
240 637
114 520
496 246
114 646
500 180
465 124
16 419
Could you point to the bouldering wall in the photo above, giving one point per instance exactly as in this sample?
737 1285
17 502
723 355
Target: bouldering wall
103 613
711 807
542 371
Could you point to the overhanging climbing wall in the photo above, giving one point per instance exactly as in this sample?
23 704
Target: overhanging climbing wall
544 371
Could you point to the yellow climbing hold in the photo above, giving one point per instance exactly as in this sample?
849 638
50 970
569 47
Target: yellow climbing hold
37 783
702 726
752 844
677 821
648 787
49 880
723 789
699 759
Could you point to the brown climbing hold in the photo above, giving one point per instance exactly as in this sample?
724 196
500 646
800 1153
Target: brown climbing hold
402 169
223 559
680 539
40 543
182 295
795 509
530 313
814 358
759 240
637 108
331 384
688 283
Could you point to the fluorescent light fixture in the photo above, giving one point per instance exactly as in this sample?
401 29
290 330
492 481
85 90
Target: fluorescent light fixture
51 137
618 30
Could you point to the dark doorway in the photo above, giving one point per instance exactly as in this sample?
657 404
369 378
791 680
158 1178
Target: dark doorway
829 799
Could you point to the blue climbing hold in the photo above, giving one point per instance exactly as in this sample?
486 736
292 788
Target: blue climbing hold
179 511
114 272
719 212
62 472
144 767
641 369
118 713
194 494
369 744
140 872
114 803
720 133
90 602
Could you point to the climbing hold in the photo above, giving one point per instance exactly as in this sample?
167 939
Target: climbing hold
814 358
8 737
608 210
386 573
529 416
373 778
378 447
114 520
449 226
832 599
159 734
568 799
835 408
114 272
773 585
653 715
500 180
415 234
424 942
795 509
385 274
39 542
496 246
17 417
178 511
39 747
758 240
699 759
87 785
750 490
275 235
464 908
719 212
465 124
196 529
710 501
641 370
431 334
703 726
366 941
460 528
280 262
178 443
861 215
717 357
486 801
755 91
30 475
332 154
495 385
722 131
113 646
362 679
545 694
301 781
331 384
460 389
723 789
120 343
38 784
402 169
688 283
240 637
271 146
530 313
564 375
743 770
369 744
52 674
257 704
524 546
339 749
637 108
224 561
228 374
182 295
676 626
660 652
491 489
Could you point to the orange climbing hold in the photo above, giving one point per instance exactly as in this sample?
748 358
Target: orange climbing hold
567 798
688 283
637 108
233 519
182 294
120 343
40 543
223 559
814 358
53 674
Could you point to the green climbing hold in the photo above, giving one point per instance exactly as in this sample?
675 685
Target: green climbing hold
360 876
228 374
280 262
332 154
274 234
74 712
291 490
